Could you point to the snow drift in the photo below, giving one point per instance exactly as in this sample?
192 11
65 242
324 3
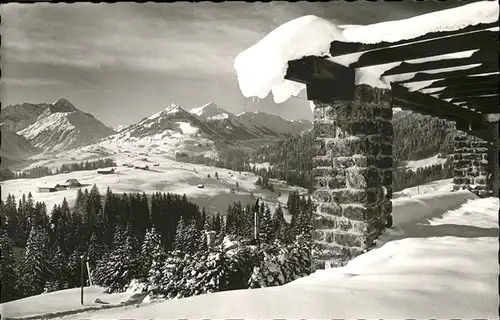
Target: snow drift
433 264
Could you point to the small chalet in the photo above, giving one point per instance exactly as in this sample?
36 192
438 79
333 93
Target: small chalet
112 171
146 167
46 189
60 187
73 183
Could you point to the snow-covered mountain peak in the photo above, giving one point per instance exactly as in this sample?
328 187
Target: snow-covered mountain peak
62 105
173 108
211 111
118 127
168 110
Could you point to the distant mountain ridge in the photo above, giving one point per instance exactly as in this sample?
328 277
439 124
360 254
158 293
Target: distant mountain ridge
15 148
60 127
53 127
248 125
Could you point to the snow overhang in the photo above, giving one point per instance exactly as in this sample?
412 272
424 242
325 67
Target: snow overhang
262 68
414 53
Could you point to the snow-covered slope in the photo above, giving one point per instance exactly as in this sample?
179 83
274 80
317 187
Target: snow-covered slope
20 116
440 263
167 132
54 302
248 125
211 111
64 130
174 130
119 127
15 148
265 124
54 127
168 176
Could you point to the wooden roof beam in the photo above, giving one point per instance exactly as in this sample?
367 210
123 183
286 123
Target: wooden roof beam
325 79
422 109
489 100
403 95
484 109
464 93
338 48
450 74
478 40
309 69
480 56
466 81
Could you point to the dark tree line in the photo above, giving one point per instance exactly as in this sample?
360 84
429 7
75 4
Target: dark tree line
404 178
161 243
415 137
42 171
419 136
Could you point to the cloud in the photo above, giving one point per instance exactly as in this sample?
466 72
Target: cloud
123 55
37 82
153 37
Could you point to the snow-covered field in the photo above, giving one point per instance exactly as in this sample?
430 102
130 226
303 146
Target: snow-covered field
58 301
442 265
438 261
422 163
431 187
170 176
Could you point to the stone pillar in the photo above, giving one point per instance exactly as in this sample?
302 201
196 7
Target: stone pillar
494 155
353 174
470 164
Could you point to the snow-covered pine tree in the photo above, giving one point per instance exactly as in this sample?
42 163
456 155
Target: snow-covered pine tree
266 233
74 269
279 223
193 237
180 236
152 254
268 273
65 228
60 275
11 219
95 250
110 216
7 269
172 283
209 272
34 269
120 266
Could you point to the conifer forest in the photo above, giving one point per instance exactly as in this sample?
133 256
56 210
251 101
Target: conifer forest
158 242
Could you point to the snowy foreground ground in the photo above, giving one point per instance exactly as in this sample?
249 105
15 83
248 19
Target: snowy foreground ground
439 261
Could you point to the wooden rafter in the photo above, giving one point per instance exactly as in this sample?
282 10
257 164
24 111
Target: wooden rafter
487 40
470 92
483 108
491 79
451 74
325 79
489 100
338 48
401 94
309 69
481 57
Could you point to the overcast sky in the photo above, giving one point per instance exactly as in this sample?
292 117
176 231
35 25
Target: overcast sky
125 61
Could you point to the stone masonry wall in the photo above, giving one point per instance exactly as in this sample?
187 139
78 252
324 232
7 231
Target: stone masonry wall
353 174
470 162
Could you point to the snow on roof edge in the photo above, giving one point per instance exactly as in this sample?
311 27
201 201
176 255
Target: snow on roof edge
262 67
